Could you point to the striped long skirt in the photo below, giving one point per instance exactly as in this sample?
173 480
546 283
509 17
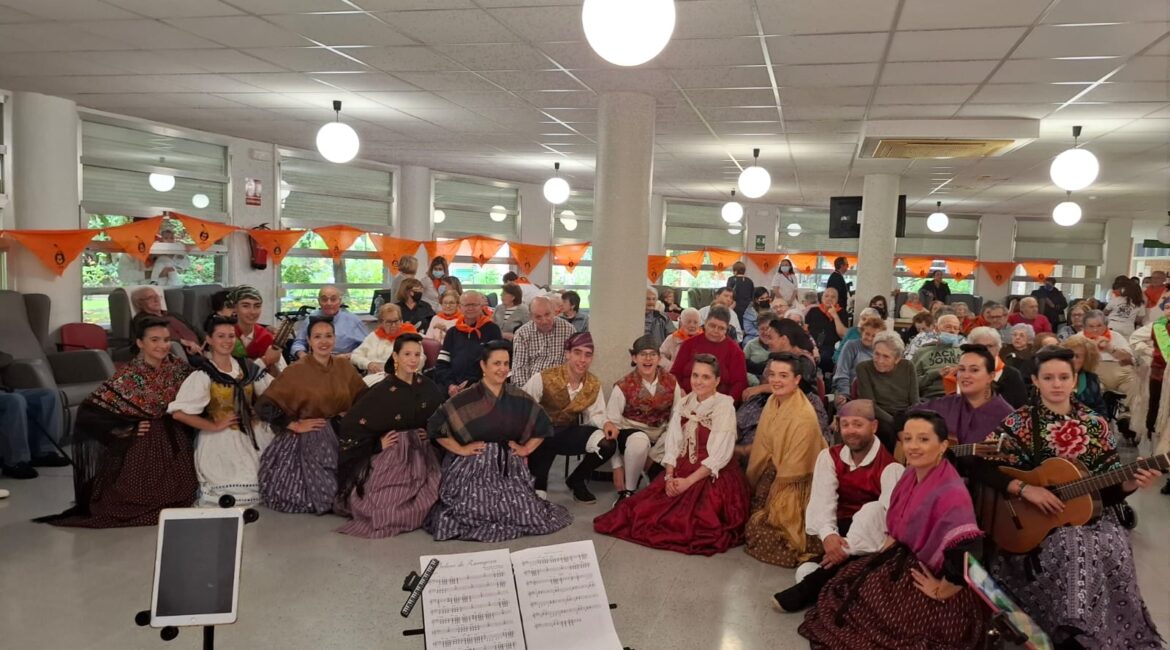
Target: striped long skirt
402 486
298 471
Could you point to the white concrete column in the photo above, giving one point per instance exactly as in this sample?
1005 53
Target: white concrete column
657 225
997 243
536 227
625 171
879 225
415 198
1117 254
46 179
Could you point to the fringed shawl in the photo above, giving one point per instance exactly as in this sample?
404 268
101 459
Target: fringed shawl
476 414
933 515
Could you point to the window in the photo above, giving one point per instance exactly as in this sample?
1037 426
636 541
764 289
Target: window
804 230
692 226
118 166
580 279
960 239
315 194
1079 252
468 205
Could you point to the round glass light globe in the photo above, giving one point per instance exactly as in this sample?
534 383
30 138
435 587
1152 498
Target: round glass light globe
200 201
440 216
556 190
338 142
498 213
628 32
754 182
1074 169
161 182
1066 213
794 230
1164 234
937 222
732 212
285 189
569 223
734 230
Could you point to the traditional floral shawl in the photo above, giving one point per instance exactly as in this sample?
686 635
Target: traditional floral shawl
933 515
476 414
1082 434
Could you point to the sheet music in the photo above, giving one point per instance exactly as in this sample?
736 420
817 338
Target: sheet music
470 603
563 598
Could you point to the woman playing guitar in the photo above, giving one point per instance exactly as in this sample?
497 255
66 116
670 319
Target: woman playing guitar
1079 583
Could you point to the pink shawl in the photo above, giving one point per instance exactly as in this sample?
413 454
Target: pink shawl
933 515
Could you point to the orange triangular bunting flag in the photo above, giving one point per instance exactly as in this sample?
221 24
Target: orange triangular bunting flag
527 256
723 259
692 262
445 249
1000 272
205 234
338 239
276 242
483 249
136 238
919 266
803 262
961 269
655 265
569 255
766 262
1040 271
393 249
56 249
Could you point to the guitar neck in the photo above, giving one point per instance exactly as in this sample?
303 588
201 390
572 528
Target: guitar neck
1122 474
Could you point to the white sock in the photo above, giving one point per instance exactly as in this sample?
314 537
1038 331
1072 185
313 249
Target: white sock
803 570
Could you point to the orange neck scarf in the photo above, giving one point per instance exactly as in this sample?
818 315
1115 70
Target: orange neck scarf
826 312
462 326
1108 335
680 334
405 328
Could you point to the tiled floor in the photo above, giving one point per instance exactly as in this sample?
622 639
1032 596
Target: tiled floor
304 586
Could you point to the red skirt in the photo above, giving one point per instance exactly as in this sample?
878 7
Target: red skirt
706 519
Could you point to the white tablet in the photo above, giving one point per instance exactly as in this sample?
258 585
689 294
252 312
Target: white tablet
197 566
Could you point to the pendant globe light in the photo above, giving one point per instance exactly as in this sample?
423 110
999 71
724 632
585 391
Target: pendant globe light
732 211
498 213
569 220
161 182
556 189
628 32
337 142
1164 231
439 216
1067 213
755 180
735 229
1074 169
794 230
200 201
938 221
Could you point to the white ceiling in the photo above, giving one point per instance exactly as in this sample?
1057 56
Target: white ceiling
503 88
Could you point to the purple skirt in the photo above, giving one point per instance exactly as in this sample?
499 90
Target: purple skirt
402 486
298 471
489 498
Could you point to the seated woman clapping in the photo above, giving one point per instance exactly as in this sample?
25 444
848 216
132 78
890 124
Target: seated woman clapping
387 471
489 429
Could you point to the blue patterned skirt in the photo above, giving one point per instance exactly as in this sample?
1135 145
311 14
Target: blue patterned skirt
298 471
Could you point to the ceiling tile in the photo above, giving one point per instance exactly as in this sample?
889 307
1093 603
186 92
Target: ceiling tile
1025 93
561 99
952 14
912 111
240 31
1096 40
535 80
542 23
406 58
117 84
824 112
137 62
578 55
262 7
1149 91
851 74
364 81
262 99
822 126
438 81
711 52
1049 70
1145 68
176 8
48 64
147 35
475 100
280 82
942 72
406 101
54 37
644 80
64 10
835 48
727 77
11 16
713 18
1030 111
812 17
497 56
1091 11
850 95
449 26
954 44
1105 111
924 94
753 97
341 29
305 59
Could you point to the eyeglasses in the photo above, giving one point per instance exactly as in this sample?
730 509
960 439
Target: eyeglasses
647 354
396 321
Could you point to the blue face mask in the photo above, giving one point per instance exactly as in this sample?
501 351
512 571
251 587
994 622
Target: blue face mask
437 274
950 339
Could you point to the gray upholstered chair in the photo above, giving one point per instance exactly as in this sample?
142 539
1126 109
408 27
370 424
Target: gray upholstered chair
24 333
975 303
700 297
196 303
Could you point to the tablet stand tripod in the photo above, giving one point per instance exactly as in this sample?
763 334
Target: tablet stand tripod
171 632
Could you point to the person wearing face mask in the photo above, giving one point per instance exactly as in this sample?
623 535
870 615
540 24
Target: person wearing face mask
785 284
934 361
432 282
761 302
415 310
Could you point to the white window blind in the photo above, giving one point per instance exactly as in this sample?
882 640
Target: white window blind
467 204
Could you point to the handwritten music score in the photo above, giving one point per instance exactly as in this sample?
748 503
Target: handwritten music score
549 597
470 603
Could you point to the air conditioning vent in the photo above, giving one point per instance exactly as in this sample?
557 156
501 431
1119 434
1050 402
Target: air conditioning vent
918 148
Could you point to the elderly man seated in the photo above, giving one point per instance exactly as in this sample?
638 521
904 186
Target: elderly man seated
1030 315
938 359
725 297
458 365
539 343
348 329
147 301
658 325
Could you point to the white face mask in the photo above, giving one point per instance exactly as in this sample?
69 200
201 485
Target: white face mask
786 269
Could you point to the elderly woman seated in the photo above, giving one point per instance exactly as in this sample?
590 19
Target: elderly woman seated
853 353
1018 353
1008 382
147 301
1076 320
890 381
1085 360
377 347
1116 368
689 324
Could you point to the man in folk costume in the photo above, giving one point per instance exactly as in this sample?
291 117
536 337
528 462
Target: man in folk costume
458 364
1151 406
845 509
253 340
780 468
571 396
637 413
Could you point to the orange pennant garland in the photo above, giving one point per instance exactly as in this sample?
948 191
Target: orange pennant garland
961 269
393 249
569 255
56 249
1039 271
136 238
692 262
655 265
527 256
483 249
276 242
919 266
1000 272
446 249
803 262
722 259
766 262
338 239
204 233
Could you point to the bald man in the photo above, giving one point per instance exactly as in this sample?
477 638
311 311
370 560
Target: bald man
539 343
1029 314
349 329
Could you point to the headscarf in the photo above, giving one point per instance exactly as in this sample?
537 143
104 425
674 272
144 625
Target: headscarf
579 340
244 292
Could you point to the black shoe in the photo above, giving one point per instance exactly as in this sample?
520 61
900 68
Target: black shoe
622 496
1166 488
50 460
18 471
581 493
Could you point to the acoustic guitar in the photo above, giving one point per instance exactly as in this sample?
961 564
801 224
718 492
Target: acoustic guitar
1018 527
